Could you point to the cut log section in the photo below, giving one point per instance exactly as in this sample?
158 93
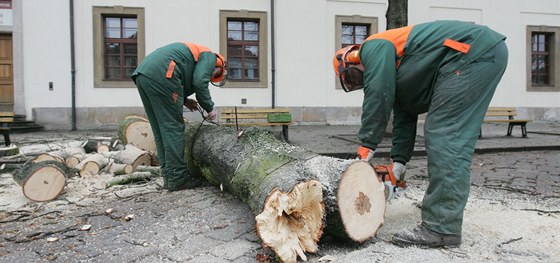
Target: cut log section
43 181
138 132
118 168
92 164
361 200
47 157
130 155
290 189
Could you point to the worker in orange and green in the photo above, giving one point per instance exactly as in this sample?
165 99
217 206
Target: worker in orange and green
165 79
447 69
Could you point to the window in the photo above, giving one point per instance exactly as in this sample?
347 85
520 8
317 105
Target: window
353 34
352 30
244 44
118 45
542 69
121 48
243 50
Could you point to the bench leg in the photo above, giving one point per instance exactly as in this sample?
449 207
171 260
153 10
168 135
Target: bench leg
7 141
524 130
510 129
480 134
285 132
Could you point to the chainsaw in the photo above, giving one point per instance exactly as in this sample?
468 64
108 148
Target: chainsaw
392 186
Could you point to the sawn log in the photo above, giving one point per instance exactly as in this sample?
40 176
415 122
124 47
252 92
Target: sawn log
291 190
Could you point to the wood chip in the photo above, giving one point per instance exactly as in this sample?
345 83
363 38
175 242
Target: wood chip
85 228
129 217
52 239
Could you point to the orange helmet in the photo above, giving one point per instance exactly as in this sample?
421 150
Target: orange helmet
220 78
351 78
349 54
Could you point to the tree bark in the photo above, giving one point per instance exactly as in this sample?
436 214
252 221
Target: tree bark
290 189
43 181
397 14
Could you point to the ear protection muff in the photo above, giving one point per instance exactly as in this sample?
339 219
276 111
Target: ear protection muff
351 78
220 78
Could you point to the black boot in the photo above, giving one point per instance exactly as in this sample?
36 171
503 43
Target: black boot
424 237
190 183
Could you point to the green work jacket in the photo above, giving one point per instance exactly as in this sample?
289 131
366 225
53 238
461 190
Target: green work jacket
187 75
401 69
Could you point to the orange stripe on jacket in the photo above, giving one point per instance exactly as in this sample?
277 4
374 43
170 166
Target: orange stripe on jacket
196 49
397 36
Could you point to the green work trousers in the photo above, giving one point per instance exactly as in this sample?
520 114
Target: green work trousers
451 129
164 108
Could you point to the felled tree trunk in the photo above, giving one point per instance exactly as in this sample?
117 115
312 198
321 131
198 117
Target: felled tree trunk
291 190
43 181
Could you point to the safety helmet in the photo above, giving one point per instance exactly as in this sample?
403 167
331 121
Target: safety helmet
220 78
351 78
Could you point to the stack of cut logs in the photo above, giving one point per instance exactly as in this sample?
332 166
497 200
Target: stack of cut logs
44 177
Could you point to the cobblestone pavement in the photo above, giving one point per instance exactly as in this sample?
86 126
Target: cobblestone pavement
512 216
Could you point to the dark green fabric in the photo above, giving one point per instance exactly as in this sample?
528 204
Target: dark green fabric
190 77
452 126
455 90
166 113
166 120
409 89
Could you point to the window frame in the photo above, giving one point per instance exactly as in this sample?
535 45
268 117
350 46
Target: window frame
371 22
99 14
261 17
554 61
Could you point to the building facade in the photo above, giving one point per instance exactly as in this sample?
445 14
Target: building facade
66 63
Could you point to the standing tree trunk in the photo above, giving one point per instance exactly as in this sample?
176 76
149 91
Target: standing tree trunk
397 16
291 190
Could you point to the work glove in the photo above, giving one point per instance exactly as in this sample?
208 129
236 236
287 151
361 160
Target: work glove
211 115
399 170
394 185
365 154
191 104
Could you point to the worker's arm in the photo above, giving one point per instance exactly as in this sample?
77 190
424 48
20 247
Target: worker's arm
404 135
201 76
379 59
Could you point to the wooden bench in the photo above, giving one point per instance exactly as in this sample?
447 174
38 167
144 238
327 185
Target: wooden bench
496 114
5 118
264 117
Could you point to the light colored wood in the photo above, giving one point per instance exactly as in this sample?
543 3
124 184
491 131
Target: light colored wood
47 157
92 164
361 200
44 185
130 155
261 124
7 114
136 117
138 132
6 119
293 221
244 111
72 161
507 120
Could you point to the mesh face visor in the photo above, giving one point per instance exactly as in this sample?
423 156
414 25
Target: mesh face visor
351 78
220 78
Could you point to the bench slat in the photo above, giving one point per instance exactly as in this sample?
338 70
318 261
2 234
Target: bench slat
6 119
246 111
257 124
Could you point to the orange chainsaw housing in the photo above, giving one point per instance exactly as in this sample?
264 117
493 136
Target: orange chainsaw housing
385 173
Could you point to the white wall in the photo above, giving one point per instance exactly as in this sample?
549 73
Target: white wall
46 53
305 44
511 18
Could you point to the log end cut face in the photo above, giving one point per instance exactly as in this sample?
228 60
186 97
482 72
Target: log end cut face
140 135
292 223
44 184
361 201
